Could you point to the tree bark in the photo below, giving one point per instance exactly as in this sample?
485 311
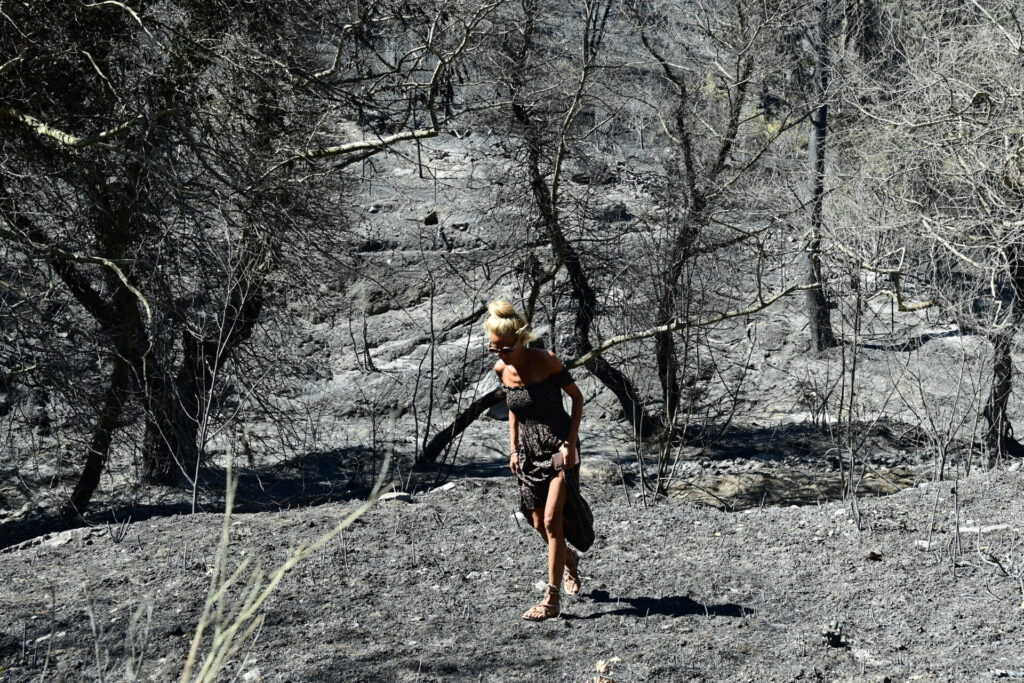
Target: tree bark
665 345
822 336
170 445
439 442
1000 432
583 294
177 408
999 436
117 394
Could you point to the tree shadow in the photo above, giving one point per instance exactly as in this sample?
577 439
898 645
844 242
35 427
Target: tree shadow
915 343
305 480
495 466
671 606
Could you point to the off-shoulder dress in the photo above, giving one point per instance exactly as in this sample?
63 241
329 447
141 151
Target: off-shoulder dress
543 426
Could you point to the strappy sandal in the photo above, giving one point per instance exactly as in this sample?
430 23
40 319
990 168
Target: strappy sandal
572 580
547 608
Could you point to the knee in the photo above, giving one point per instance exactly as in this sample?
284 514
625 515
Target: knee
537 520
553 525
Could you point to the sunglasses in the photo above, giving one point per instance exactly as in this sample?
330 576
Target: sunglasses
500 349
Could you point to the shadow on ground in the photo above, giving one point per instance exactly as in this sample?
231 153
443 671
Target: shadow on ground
671 606
310 479
786 486
802 464
817 442
341 474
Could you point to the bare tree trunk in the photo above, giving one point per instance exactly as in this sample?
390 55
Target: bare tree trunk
665 345
696 183
546 198
176 407
116 395
665 352
1000 436
439 442
170 443
1000 432
583 294
822 336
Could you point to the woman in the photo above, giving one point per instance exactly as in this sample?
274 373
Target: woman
544 449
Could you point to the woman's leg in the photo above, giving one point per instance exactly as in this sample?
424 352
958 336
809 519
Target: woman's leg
553 531
538 523
572 580
548 521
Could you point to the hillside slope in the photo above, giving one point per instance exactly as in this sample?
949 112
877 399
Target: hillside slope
434 589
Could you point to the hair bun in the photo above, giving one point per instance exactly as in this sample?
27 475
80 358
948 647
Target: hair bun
502 309
505 321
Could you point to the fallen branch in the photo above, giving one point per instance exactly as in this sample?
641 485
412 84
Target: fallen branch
680 323
67 139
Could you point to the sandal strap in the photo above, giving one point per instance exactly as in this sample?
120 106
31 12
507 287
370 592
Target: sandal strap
547 608
572 573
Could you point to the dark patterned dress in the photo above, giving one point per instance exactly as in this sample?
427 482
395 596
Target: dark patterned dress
543 426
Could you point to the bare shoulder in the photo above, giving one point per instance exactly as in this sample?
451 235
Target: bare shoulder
551 361
546 362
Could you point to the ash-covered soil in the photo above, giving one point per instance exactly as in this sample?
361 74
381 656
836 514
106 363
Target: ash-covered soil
927 586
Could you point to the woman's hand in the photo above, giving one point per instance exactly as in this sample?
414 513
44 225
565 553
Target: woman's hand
513 462
570 455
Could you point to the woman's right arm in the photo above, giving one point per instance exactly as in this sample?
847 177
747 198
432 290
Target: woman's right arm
513 437
513 425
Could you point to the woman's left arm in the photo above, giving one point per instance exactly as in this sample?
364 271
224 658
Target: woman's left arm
576 416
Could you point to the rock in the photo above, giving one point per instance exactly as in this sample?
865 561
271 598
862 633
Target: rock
376 303
599 470
431 218
444 487
417 293
62 538
397 496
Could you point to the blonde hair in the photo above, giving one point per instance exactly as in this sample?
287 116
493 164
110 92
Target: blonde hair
504 321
